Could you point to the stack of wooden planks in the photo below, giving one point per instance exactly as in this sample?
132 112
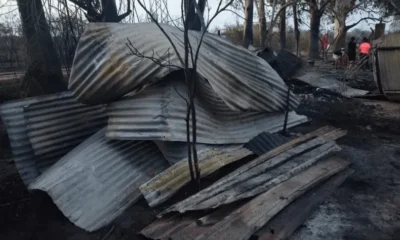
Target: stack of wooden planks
267 198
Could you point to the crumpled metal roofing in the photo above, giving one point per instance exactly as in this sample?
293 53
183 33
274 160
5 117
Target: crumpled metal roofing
94 183
43 129
287 64
56 126
12 114
104 68
159 112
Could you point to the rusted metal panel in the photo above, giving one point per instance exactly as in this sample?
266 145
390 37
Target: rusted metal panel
99 179
56 126
165 185
159 113
264 172
104 69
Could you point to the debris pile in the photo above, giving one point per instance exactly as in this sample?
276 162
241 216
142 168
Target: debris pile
268 197
120 134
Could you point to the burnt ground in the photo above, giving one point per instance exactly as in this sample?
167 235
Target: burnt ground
366 206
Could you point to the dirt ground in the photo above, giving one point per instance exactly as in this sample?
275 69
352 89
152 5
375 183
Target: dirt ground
366 206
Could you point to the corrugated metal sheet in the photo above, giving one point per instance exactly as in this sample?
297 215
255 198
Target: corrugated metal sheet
13 117
165 185
287 64
329 83
94 183
176 151
261 174
264 142
159 112
267 54
56 126
104 69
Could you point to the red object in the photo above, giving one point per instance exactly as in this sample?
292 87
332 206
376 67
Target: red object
364 47
325 41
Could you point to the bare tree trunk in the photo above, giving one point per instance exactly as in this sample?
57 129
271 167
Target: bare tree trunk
248 24
110 12
44 67
263 23
296 29
282 25
342 9
379 30
340 36
340 29
190 13
202 7
315 21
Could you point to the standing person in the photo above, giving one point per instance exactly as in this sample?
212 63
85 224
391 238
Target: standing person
364 52
351 49
325 45
340 58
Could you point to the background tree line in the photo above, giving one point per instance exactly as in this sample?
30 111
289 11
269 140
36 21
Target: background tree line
42 40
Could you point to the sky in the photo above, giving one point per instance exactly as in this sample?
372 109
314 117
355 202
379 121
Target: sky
9 12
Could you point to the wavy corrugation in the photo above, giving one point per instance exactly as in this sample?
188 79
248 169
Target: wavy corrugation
12 114
105 69
57 126
159 112
94 183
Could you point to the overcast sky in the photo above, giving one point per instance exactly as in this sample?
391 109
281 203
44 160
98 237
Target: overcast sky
9 12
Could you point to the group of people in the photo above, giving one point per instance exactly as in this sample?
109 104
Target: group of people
342 58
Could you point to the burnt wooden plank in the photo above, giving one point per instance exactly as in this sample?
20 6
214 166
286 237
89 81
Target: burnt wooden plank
246 220
290 218
254 175
163 186
252 186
